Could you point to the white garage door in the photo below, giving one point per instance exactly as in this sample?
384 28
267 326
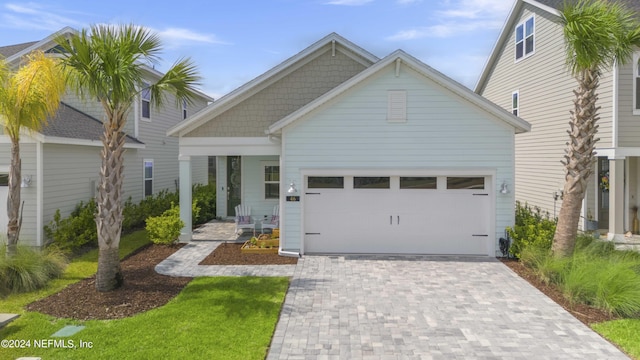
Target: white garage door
4 192
397 214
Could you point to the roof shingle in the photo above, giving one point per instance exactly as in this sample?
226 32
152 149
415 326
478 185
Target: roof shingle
11 50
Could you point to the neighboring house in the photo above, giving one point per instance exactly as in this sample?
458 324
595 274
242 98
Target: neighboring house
363 155
527 74
60 164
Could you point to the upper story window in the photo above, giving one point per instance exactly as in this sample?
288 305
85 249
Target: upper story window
184 109
525 33
515 103
145 101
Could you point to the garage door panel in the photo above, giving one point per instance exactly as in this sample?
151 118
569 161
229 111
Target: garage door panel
415 221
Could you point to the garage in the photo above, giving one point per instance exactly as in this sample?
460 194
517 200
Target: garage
397 214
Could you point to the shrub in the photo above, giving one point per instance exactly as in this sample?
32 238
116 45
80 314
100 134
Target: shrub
76 230
165 229
29 269
204 197
532 228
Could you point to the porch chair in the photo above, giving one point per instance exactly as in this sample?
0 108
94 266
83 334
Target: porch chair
243 218
274 221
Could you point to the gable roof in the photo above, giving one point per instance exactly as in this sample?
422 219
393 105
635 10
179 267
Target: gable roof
550 6
10 50
71 123
13 53
278 72
401 58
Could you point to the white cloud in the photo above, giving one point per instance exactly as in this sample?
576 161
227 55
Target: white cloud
175 37
34 16
474 9
348 2
407 2
458 17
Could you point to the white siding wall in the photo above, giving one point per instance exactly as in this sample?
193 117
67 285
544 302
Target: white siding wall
629 131
546 97
442 132
28 233
253 185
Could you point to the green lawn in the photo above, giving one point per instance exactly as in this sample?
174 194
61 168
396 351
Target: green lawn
212 318
623 333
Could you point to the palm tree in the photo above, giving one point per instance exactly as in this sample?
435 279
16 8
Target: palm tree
598 34
27 97
108 63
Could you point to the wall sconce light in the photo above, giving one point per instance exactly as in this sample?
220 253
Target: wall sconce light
26 181
504 188
292 189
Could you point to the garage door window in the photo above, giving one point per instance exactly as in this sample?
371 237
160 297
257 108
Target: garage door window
475 183
325 182
4 179
418 182
361 182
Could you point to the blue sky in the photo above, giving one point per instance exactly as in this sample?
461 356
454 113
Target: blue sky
234 41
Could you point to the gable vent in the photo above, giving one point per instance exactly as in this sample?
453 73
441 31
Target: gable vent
397 106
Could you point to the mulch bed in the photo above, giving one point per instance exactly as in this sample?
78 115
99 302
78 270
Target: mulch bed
143 290
230 254
585 313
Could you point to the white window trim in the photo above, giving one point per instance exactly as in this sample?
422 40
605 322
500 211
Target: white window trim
264 164
144 176
635 74
517 108
145 84
524 39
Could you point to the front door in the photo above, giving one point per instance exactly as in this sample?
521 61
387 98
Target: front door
234 176
603 193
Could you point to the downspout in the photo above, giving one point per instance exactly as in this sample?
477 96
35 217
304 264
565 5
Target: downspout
39 193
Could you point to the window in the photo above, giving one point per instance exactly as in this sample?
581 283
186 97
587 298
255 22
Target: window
4 181
418 182
184 109
515 102
148 177
271 181
525 38
636 83
361 182
475 183
145 101
325 182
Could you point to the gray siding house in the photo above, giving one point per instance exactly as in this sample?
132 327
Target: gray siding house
361 154
526 74
60 164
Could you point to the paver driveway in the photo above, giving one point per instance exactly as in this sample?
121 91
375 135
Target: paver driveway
359 307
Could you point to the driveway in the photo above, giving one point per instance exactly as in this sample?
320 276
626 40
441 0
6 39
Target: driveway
413 307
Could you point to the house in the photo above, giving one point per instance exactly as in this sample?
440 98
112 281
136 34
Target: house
526 74
362 155
60 164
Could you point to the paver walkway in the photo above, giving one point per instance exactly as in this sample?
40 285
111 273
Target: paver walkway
184 262
405 307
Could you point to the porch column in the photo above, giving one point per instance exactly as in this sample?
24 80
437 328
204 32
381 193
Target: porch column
616 199
185 197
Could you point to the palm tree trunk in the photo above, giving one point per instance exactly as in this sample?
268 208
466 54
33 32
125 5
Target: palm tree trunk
109 201
13 199
579 159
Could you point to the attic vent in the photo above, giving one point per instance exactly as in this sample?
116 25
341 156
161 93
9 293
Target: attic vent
397 106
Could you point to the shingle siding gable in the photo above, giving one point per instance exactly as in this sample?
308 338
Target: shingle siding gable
254 115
